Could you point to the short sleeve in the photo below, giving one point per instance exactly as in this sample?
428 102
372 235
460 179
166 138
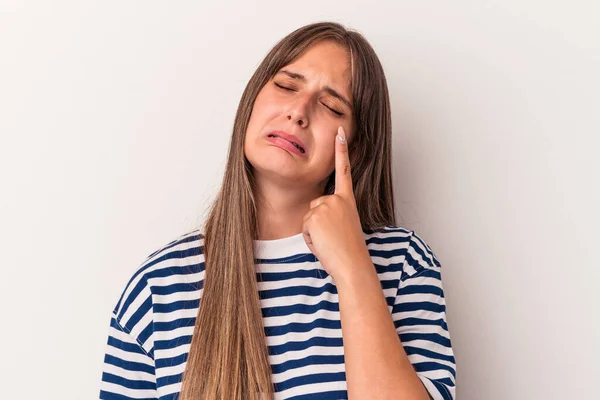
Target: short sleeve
129 369
419 314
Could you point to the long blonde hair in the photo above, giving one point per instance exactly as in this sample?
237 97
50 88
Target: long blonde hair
228 357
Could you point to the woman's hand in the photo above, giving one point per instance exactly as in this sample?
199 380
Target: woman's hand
332 228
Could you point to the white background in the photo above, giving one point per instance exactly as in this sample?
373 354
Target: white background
115 119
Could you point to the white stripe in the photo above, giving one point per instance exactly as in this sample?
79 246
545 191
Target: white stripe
175 315
417 298
168 389
398 259
128 356
122 336
135 394
140 326
422 329
433 392
176 279
417 257
422 314
303 336
171 370
172 352
308 370
295 355
298 318
177 296
388 234
165 249
290 267
419 358
174 333
436 374
420 281
428 345
135 305
127 374
311 388
303 299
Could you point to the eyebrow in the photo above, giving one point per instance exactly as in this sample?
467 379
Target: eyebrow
329 90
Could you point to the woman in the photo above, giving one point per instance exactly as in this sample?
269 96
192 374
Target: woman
299 285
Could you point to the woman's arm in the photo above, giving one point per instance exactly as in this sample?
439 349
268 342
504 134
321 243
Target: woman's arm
397 356
377 366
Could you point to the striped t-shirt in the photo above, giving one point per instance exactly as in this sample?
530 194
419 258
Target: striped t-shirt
152 323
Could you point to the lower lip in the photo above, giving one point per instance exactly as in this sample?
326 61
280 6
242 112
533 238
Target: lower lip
285 144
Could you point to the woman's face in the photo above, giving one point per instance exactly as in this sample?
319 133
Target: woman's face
308 99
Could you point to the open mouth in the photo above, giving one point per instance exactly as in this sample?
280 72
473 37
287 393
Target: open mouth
294 143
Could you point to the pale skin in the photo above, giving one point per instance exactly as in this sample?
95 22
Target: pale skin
376 364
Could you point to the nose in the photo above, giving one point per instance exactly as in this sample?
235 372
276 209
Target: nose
300 121
297 113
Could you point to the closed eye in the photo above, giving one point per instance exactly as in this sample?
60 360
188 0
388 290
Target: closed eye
293 90
335 111
283 87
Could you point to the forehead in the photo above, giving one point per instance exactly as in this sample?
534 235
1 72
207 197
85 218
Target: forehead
326 63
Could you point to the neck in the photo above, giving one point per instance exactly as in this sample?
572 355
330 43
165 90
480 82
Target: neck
281 210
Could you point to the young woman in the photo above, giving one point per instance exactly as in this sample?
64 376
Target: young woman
299 285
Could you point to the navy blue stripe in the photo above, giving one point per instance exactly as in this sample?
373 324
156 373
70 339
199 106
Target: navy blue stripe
432 366
333 395
173 343
168 380
308 379
178 242
127 347
440 385
430 255
104 395
301 327
135 292
421 289
171 325
176 305
307 257
128 383
296 346
300 309
419 306
421 322
143 309
193 268
145 333
176 288
432 337
296 290
171 361
410 350
128 365
425 254
301 273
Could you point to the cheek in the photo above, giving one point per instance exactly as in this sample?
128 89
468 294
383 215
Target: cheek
325 155
264 110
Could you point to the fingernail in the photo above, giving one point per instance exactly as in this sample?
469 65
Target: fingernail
341 135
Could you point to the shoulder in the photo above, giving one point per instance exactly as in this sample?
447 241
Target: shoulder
175 262
404 246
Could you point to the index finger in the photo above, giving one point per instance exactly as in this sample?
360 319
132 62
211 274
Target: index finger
343 177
